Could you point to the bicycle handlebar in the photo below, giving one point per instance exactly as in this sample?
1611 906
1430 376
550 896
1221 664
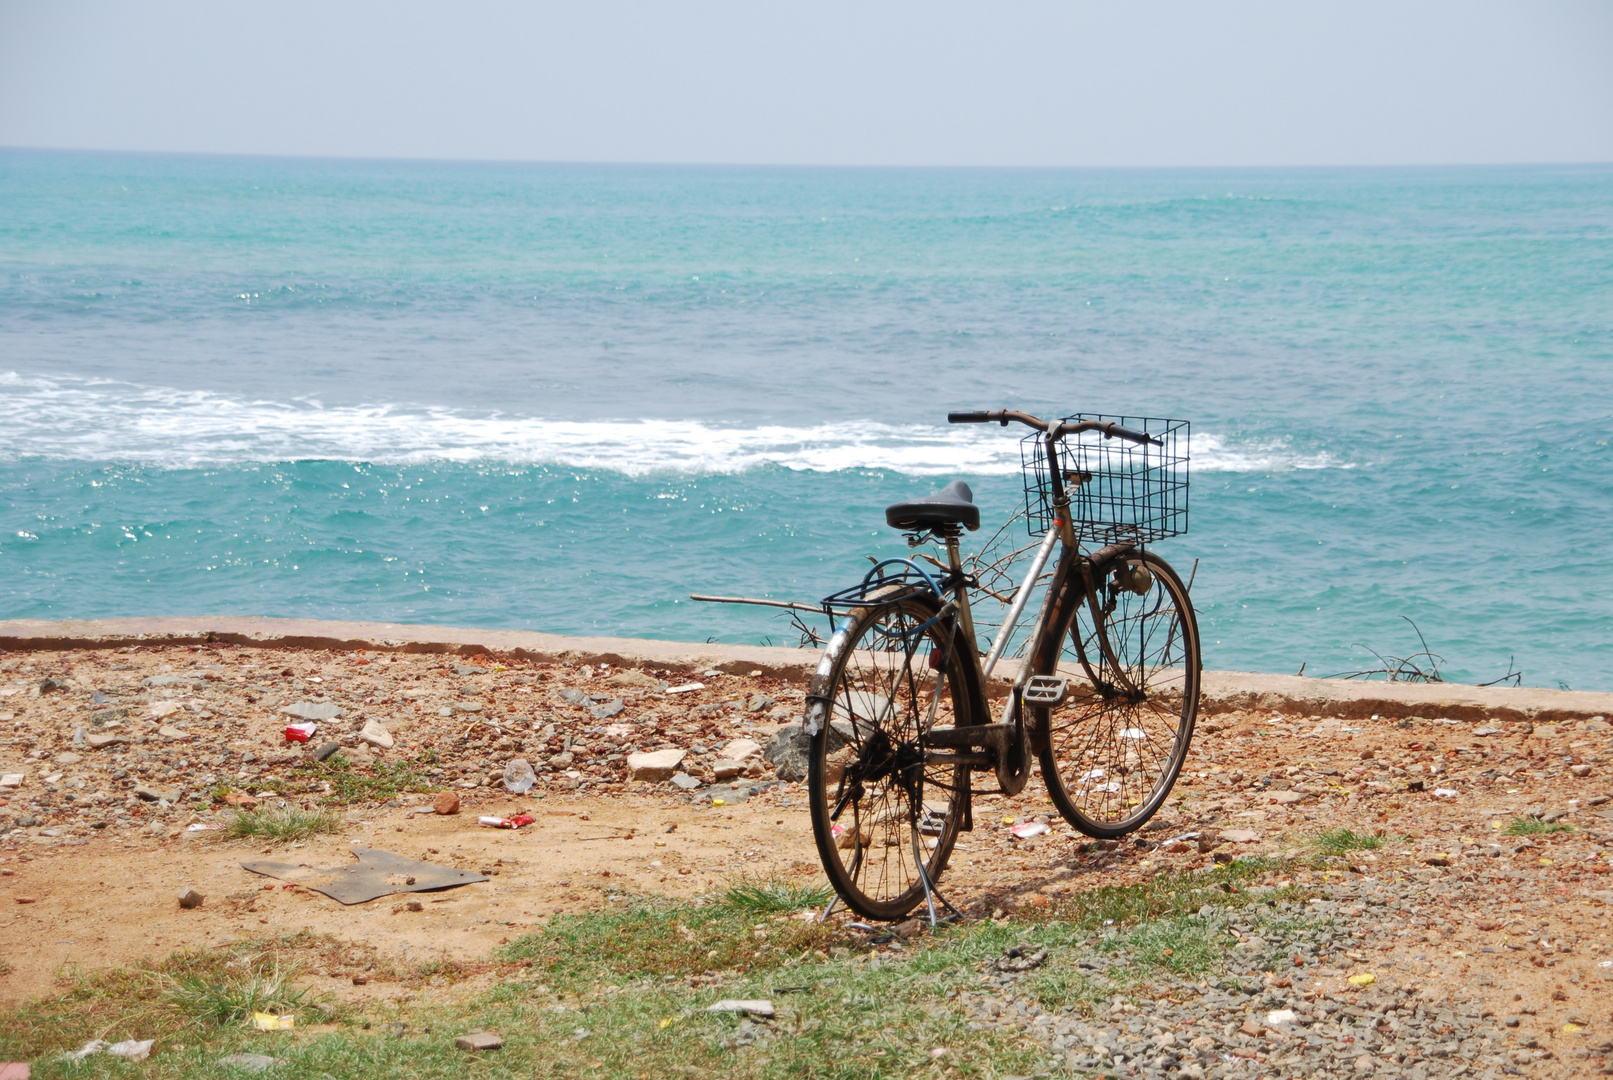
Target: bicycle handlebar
1056 429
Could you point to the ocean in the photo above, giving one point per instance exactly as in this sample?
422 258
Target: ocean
563 397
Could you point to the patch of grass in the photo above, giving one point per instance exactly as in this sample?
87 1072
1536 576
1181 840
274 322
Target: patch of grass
1183 944
653 935
222 998
774 897
619 993
1343 841
281 823
380 782
1527 826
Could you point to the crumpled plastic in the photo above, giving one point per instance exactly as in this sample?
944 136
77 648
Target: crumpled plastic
519 777
133 1049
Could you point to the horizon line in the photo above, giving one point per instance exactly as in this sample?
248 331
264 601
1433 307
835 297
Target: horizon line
848 166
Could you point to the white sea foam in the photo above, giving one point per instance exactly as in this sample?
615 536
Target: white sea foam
102 420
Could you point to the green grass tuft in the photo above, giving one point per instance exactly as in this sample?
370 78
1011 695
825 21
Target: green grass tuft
1343 841
283 823
223 998
1524 826
383 780
774 897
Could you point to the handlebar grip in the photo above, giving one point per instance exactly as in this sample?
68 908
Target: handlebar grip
978 416
1115 431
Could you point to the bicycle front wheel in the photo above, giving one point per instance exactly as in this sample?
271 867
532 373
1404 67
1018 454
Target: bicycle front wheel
1130 646
880 812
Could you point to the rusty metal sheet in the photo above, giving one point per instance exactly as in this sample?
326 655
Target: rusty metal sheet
373 875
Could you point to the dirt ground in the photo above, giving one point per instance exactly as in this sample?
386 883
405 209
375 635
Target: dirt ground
1518 922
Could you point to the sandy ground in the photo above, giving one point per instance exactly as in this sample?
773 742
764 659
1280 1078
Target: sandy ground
1519 923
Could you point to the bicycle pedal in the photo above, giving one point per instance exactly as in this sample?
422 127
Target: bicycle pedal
1047 691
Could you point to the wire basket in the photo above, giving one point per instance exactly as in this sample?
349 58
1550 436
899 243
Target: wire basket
1118 490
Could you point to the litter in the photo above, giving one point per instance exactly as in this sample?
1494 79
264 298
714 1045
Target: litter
376 874
753 1007
1444 793
1030 829
518 776
300 732
198 826
515 822
133 1049
686 688
270 1022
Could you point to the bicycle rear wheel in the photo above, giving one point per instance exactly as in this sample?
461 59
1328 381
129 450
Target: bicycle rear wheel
879 811
1131 649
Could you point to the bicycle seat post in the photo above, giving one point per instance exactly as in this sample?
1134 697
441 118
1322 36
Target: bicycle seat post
966 622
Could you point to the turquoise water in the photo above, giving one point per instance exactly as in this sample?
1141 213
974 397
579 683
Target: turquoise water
563 397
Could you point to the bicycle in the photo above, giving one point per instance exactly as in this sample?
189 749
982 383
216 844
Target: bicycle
1105 697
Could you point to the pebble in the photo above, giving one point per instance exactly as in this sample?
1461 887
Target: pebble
446 802
479 1040
189 898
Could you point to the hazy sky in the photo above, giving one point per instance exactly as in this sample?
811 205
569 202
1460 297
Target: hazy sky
933 83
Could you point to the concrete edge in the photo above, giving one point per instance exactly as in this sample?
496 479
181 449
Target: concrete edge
1223 691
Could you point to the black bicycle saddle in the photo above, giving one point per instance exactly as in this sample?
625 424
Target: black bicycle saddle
952 505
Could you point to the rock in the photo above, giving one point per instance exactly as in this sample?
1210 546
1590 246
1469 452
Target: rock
575 697
376 735
1287 798
479 1040
789 751
446 802
518 776
105 716
608 709
327 750
561 760
908 929
759 702
655 766
189 898
151 794
250 1062
724 769
469 669
245 802
68 758
467 706
173 734
1554 814
686 688
1240 836
752 1007
313 710
11 780
1580 770
685 781
636 678
740 749
164 709
102 740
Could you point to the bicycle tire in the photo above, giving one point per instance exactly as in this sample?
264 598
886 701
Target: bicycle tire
866 714
1112 752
